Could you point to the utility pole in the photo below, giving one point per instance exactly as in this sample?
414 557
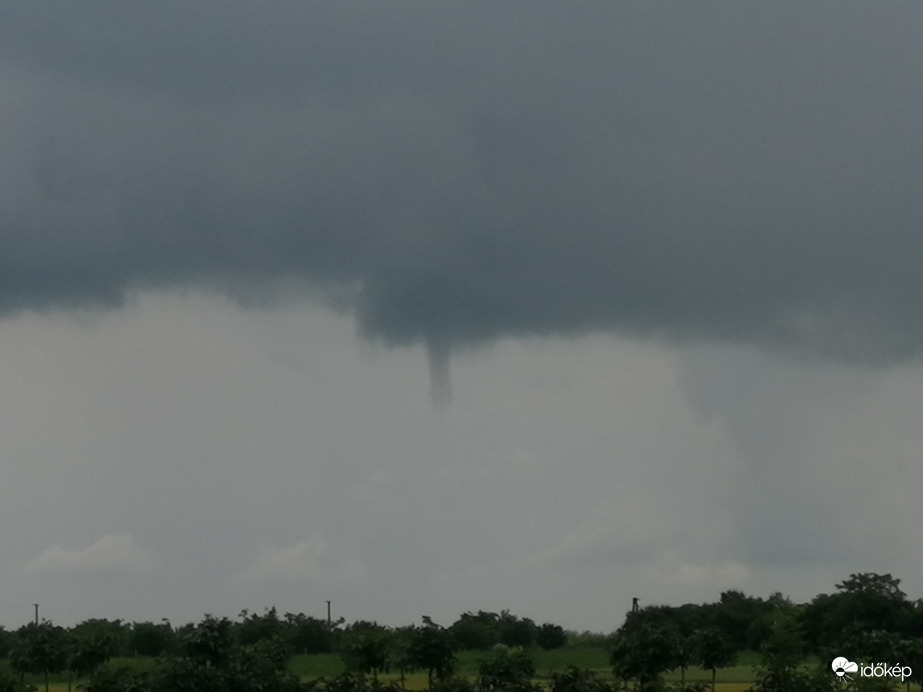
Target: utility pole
36 613
328 614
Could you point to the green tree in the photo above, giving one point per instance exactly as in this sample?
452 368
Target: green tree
506 670
114 632
781 656
39 649
399 654
364 647
150 639
120 679
713 651
9 683
644 652
734 615
550 636
86 650
576 680
432 649
515 631
210 660
309 635
864 604
209 643
910 653
253 627
259 666
6 641
476 630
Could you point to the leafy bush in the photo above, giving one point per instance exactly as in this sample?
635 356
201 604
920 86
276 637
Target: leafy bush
149 639
577 680
9 683
643 652
507 670
689 687
365 646
794 680
453 684
352 681
550 636
106 679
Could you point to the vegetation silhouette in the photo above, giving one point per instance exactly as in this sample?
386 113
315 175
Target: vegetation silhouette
789 647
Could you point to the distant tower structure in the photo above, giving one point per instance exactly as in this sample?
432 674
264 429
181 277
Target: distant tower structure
634 605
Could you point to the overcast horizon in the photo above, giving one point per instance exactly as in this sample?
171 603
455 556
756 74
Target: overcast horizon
426 308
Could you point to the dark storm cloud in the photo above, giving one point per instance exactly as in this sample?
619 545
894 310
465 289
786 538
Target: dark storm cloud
459 172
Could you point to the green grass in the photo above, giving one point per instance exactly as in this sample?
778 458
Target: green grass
738 678
744 672
58 683
310 666
558 660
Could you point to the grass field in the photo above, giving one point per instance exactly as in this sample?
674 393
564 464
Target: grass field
308 666
736 679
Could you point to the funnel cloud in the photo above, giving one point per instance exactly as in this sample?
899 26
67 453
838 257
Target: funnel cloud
678 244
743 174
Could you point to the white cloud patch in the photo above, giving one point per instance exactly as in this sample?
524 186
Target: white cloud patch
616 526
309 560
112 552
724 575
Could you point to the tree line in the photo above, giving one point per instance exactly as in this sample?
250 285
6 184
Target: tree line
255 647
867 618
298 633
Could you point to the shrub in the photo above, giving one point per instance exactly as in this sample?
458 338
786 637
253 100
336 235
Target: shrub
119 680
9 683
509 670
577 680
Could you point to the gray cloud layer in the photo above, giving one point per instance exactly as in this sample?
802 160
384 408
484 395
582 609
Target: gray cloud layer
458 173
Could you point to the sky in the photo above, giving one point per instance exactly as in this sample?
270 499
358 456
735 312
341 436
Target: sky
426 308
